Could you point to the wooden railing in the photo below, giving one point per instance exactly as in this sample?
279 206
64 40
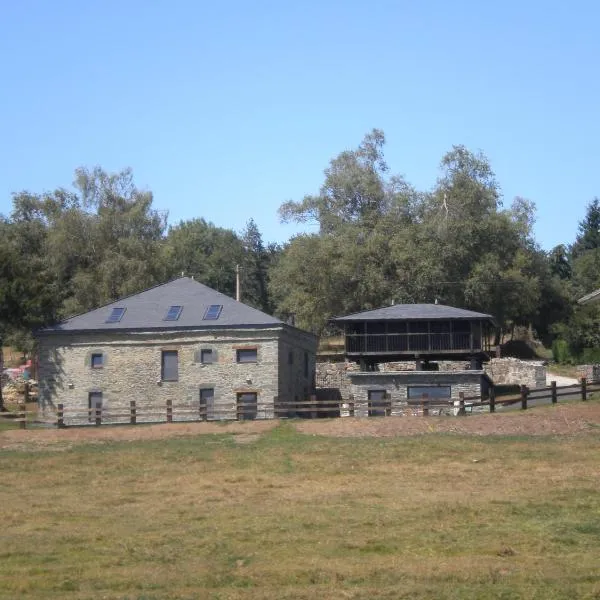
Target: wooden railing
362 343
309 408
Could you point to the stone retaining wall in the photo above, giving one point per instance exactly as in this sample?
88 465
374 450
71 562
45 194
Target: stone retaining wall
590 372
514 371
502 371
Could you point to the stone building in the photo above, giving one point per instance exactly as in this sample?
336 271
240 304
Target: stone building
432 337
211 356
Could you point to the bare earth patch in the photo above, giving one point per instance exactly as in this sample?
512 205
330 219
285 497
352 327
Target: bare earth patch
16 439
558 420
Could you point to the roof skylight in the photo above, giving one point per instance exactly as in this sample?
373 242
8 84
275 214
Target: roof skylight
173 313
213 312
116 315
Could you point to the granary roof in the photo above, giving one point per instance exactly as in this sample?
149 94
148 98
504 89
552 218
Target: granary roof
414 312
590 298
179 304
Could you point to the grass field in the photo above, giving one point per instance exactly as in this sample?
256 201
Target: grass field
282 514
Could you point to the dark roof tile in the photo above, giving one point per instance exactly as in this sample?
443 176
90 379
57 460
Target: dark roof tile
413 312
146 310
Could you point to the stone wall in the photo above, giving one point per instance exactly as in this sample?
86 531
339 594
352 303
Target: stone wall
590 372
396 385
514 371
131 370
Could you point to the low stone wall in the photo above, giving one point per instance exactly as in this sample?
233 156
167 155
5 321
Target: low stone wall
514 371
590 372
502 371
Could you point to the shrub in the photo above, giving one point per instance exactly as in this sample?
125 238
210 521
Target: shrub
560 351
590 356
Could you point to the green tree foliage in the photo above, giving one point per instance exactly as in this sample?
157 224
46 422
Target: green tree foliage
588 237
204 251
256 264
381 240
29 294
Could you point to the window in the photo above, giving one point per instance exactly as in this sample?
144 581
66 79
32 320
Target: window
247 355
115 315
173 313
247 406
207 400
213 312
207 356
97 361
306 364
169 366
94 403
433 391
378 403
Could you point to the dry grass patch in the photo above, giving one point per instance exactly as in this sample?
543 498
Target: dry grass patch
302 516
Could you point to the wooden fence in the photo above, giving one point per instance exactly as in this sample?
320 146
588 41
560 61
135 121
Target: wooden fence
311 408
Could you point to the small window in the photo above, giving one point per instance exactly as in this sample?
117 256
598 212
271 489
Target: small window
116 315
247 355
306 364
94 403
97 361
213 312
173 313
207 399
432 391
169 365
207 356
290 357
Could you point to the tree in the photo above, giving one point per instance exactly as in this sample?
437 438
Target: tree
208 253
256 264
29 296
353 191
560 263
348 266
588 237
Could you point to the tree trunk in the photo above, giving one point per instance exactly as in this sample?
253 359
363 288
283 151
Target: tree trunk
1 372
497 336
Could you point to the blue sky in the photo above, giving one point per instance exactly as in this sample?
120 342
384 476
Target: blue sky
227 109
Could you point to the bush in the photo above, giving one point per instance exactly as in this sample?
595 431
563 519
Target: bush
590 356
561 352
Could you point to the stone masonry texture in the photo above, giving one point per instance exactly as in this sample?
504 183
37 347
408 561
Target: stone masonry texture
131 370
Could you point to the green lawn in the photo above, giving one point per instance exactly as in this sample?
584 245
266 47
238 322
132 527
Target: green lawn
286 515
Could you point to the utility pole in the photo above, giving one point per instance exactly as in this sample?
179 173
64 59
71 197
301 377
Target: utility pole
238 291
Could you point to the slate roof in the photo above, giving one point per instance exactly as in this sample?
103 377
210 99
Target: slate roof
589 298
147 310
414 312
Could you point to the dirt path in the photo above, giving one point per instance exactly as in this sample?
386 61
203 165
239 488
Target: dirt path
560 379
574 418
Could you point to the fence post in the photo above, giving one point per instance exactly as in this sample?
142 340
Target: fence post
425 405
351 405
313 405
169 410
133 413
584 389
26 393
98 416
388 406
553 392
23 411
492 399
524 393
60 415
461 403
